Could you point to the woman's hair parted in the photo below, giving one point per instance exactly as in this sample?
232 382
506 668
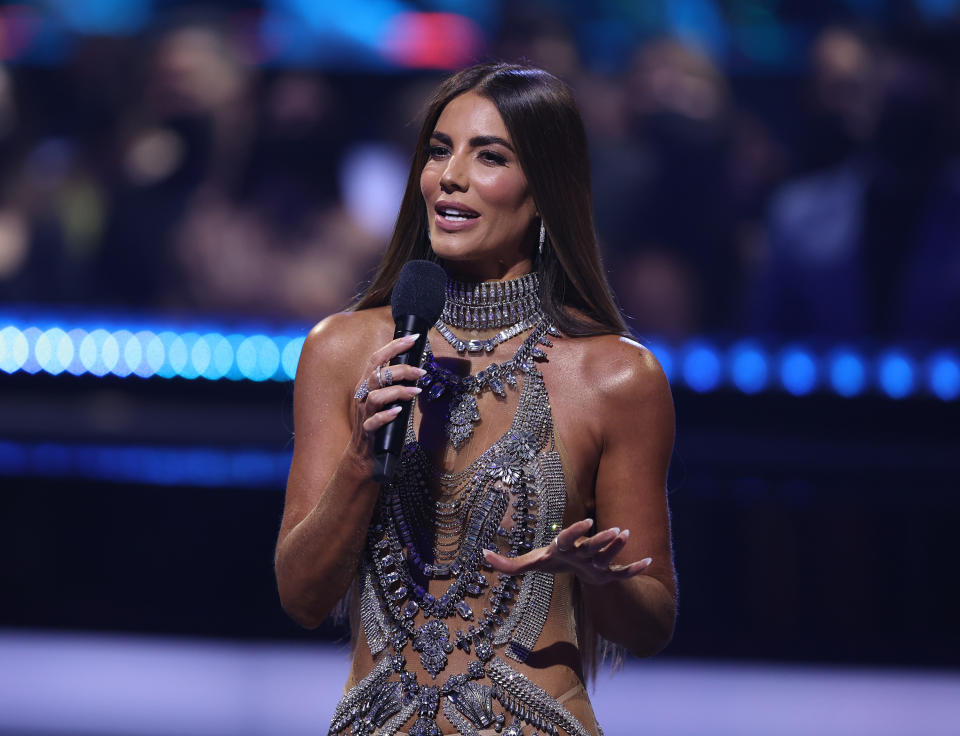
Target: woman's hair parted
548 135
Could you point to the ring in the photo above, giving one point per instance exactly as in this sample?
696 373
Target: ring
362 392
379 379
387 376
556 541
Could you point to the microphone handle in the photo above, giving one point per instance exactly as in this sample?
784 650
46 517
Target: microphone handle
388 440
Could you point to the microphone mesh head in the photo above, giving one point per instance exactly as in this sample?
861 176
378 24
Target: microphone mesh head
420 290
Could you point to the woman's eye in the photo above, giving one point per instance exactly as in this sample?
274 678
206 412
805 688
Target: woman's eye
436 151
492 157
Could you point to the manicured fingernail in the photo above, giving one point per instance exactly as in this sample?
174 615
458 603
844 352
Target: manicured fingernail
415 390
420 371
394 410
487 553
412 338
616 530
589 522
625 534
646 561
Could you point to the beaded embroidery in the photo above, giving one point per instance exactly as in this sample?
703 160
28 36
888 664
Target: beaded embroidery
413 539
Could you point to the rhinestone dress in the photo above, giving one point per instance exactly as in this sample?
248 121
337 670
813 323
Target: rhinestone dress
511 498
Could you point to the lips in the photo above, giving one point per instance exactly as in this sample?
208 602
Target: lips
454 212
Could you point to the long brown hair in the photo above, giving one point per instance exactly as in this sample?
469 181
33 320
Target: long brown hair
548 135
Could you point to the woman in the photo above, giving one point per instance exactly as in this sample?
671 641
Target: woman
574 425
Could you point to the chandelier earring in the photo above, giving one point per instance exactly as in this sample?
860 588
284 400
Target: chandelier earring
543 235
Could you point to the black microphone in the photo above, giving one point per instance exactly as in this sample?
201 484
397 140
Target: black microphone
416 303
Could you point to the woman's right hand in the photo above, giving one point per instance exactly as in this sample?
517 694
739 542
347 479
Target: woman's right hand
372 411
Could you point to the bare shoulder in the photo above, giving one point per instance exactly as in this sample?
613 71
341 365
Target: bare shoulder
340 336
619 369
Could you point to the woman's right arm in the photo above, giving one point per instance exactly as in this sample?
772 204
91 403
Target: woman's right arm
331 493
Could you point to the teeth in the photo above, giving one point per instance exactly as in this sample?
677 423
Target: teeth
454 215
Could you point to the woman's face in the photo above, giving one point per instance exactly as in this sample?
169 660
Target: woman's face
479 208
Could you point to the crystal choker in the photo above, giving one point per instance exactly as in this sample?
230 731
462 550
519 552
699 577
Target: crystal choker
493 303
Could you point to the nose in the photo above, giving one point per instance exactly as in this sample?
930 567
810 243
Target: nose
454 176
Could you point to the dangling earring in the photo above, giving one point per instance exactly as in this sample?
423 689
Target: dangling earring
543 235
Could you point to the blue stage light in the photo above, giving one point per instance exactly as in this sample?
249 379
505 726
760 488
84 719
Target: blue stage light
220 356
179 355
798 371
943 370
748 367
132 355
258 358
153 354
54 351
201 355
895 373
290 356
31 364
166 369
664 356
701 367
168 466
93 352
847 373
76 366
122 367
14 349
110 352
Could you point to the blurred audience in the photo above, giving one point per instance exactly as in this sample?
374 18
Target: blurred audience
867 246
175 173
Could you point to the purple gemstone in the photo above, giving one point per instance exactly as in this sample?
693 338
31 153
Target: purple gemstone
464 610
436 391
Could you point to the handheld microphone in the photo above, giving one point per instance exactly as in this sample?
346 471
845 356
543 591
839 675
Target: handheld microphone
416 303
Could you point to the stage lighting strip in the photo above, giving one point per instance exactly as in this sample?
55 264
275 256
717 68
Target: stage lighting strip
747 365
159 466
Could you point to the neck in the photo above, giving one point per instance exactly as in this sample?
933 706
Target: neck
472 272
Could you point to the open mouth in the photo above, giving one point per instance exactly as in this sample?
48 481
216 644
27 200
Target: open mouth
456 214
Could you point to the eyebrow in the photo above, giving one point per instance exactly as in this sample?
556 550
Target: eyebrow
476 142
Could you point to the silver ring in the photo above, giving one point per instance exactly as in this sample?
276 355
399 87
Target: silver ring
379 379
362 392
387 376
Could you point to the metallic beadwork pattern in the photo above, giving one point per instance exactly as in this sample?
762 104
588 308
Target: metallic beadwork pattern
371 612
512 495
522 631
356 701
463 726
486 345
491 304
530 703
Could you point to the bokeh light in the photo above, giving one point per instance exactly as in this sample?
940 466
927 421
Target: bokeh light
895 373
798 370
748 367
701 367
943 373
848 374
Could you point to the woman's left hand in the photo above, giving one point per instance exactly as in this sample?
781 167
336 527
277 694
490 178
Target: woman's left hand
589 558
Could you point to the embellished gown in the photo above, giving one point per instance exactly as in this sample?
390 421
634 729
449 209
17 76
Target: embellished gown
442 642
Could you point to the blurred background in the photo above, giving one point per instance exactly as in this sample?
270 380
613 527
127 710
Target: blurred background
185 189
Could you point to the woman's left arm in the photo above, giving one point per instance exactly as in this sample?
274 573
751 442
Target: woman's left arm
638 610
626 568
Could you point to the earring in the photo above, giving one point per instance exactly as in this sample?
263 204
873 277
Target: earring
543 236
